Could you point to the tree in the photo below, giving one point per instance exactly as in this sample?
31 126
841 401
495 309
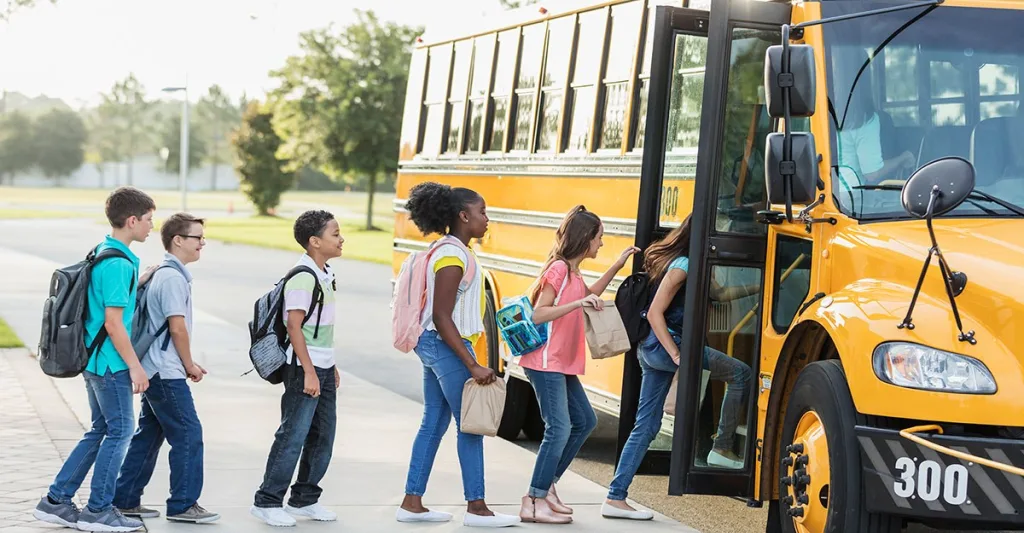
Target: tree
10 6
337 106
17 149
122 122
218 116
513 4
171 139
59 138
263 174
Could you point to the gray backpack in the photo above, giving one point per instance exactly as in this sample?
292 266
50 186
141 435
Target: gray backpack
142 339
62 349
268 334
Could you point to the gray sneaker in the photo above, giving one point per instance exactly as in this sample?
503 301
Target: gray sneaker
109 520
62 514
140 512
196 515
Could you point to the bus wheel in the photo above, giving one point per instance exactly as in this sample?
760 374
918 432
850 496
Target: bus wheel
517 392
819 470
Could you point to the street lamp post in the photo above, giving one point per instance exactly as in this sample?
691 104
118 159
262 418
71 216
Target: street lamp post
183 145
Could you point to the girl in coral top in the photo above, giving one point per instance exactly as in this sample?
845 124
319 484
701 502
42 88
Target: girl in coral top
554 369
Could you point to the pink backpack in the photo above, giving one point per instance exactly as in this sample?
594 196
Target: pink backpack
411 293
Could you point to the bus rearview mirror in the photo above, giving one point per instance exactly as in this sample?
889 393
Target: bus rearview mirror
800 80
802 169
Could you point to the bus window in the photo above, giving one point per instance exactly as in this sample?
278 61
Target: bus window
625 32
457 96
530 60
792 279
640 115
483 60
504 70
741 190
949 104
560 34
1000 87
901 98
434 103
589 49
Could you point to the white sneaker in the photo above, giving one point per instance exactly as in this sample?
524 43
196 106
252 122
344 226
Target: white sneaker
498 520
717 459
313 512
610 511
274 516
430 516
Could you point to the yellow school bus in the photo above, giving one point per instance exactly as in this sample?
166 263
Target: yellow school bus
862 162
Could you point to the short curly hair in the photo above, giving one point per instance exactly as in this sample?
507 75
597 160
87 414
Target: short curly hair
126 202
312 223
435 207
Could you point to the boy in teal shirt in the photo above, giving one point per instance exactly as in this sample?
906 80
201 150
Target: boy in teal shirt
113 373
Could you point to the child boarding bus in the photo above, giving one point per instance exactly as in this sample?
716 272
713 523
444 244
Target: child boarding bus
868 176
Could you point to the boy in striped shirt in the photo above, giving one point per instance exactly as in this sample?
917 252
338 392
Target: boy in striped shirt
308 407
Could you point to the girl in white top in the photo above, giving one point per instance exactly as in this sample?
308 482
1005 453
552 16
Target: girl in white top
452 319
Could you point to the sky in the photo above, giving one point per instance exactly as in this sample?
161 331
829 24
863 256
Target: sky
77 49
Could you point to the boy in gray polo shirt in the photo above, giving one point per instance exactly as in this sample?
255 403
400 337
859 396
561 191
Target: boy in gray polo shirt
167 407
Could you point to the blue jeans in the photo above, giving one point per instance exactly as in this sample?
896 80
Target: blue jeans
110 400
568 421
658 369
168 412
305 437
444 375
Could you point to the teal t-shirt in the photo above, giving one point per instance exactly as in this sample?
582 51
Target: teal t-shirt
680 263
114 283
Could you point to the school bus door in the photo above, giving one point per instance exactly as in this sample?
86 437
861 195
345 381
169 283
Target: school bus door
714 438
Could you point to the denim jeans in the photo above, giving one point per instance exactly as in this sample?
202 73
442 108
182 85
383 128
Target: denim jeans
103 447
658 369
305 437
168 412
444 375
568 421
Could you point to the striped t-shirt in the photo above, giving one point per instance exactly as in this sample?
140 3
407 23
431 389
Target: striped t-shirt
469 307
298 294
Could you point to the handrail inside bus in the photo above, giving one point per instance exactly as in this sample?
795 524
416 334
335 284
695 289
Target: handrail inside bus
750 314
909 435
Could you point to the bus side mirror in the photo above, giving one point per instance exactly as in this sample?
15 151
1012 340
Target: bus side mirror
800 79
802 169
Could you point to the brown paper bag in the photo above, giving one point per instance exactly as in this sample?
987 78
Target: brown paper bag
606 336
482 407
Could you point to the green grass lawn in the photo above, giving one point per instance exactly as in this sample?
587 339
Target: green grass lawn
7 337
276 232
32 213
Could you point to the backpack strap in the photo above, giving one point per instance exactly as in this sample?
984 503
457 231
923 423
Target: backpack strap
469 273
317 297
95 259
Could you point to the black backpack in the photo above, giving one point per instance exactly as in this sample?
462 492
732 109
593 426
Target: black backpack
62 349
632 299
268 333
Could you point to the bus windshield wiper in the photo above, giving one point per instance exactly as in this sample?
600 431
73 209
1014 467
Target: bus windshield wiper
1009 206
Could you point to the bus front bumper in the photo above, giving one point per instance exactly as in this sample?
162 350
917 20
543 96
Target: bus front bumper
904 478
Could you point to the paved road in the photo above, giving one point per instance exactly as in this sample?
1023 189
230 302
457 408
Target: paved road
230 277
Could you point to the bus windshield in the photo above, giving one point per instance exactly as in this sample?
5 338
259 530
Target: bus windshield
908 87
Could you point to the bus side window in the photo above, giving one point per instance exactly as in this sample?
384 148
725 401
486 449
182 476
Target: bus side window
622 48
504 80
483 61
457 97
435 101
560 36
530 60
589 49
792 280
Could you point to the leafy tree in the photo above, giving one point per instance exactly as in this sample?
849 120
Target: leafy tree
218 117
263 174
122 122
17 149
10 6
513 4
59 138
336 105
171 139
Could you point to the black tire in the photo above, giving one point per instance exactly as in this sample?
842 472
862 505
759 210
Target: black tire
821 387
517 392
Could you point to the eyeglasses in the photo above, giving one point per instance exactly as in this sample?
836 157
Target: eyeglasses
201 238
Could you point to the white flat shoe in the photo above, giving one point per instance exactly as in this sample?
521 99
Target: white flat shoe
610 511
498 520
430 516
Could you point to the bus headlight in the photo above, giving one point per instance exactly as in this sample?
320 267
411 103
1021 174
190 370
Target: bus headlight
919 367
